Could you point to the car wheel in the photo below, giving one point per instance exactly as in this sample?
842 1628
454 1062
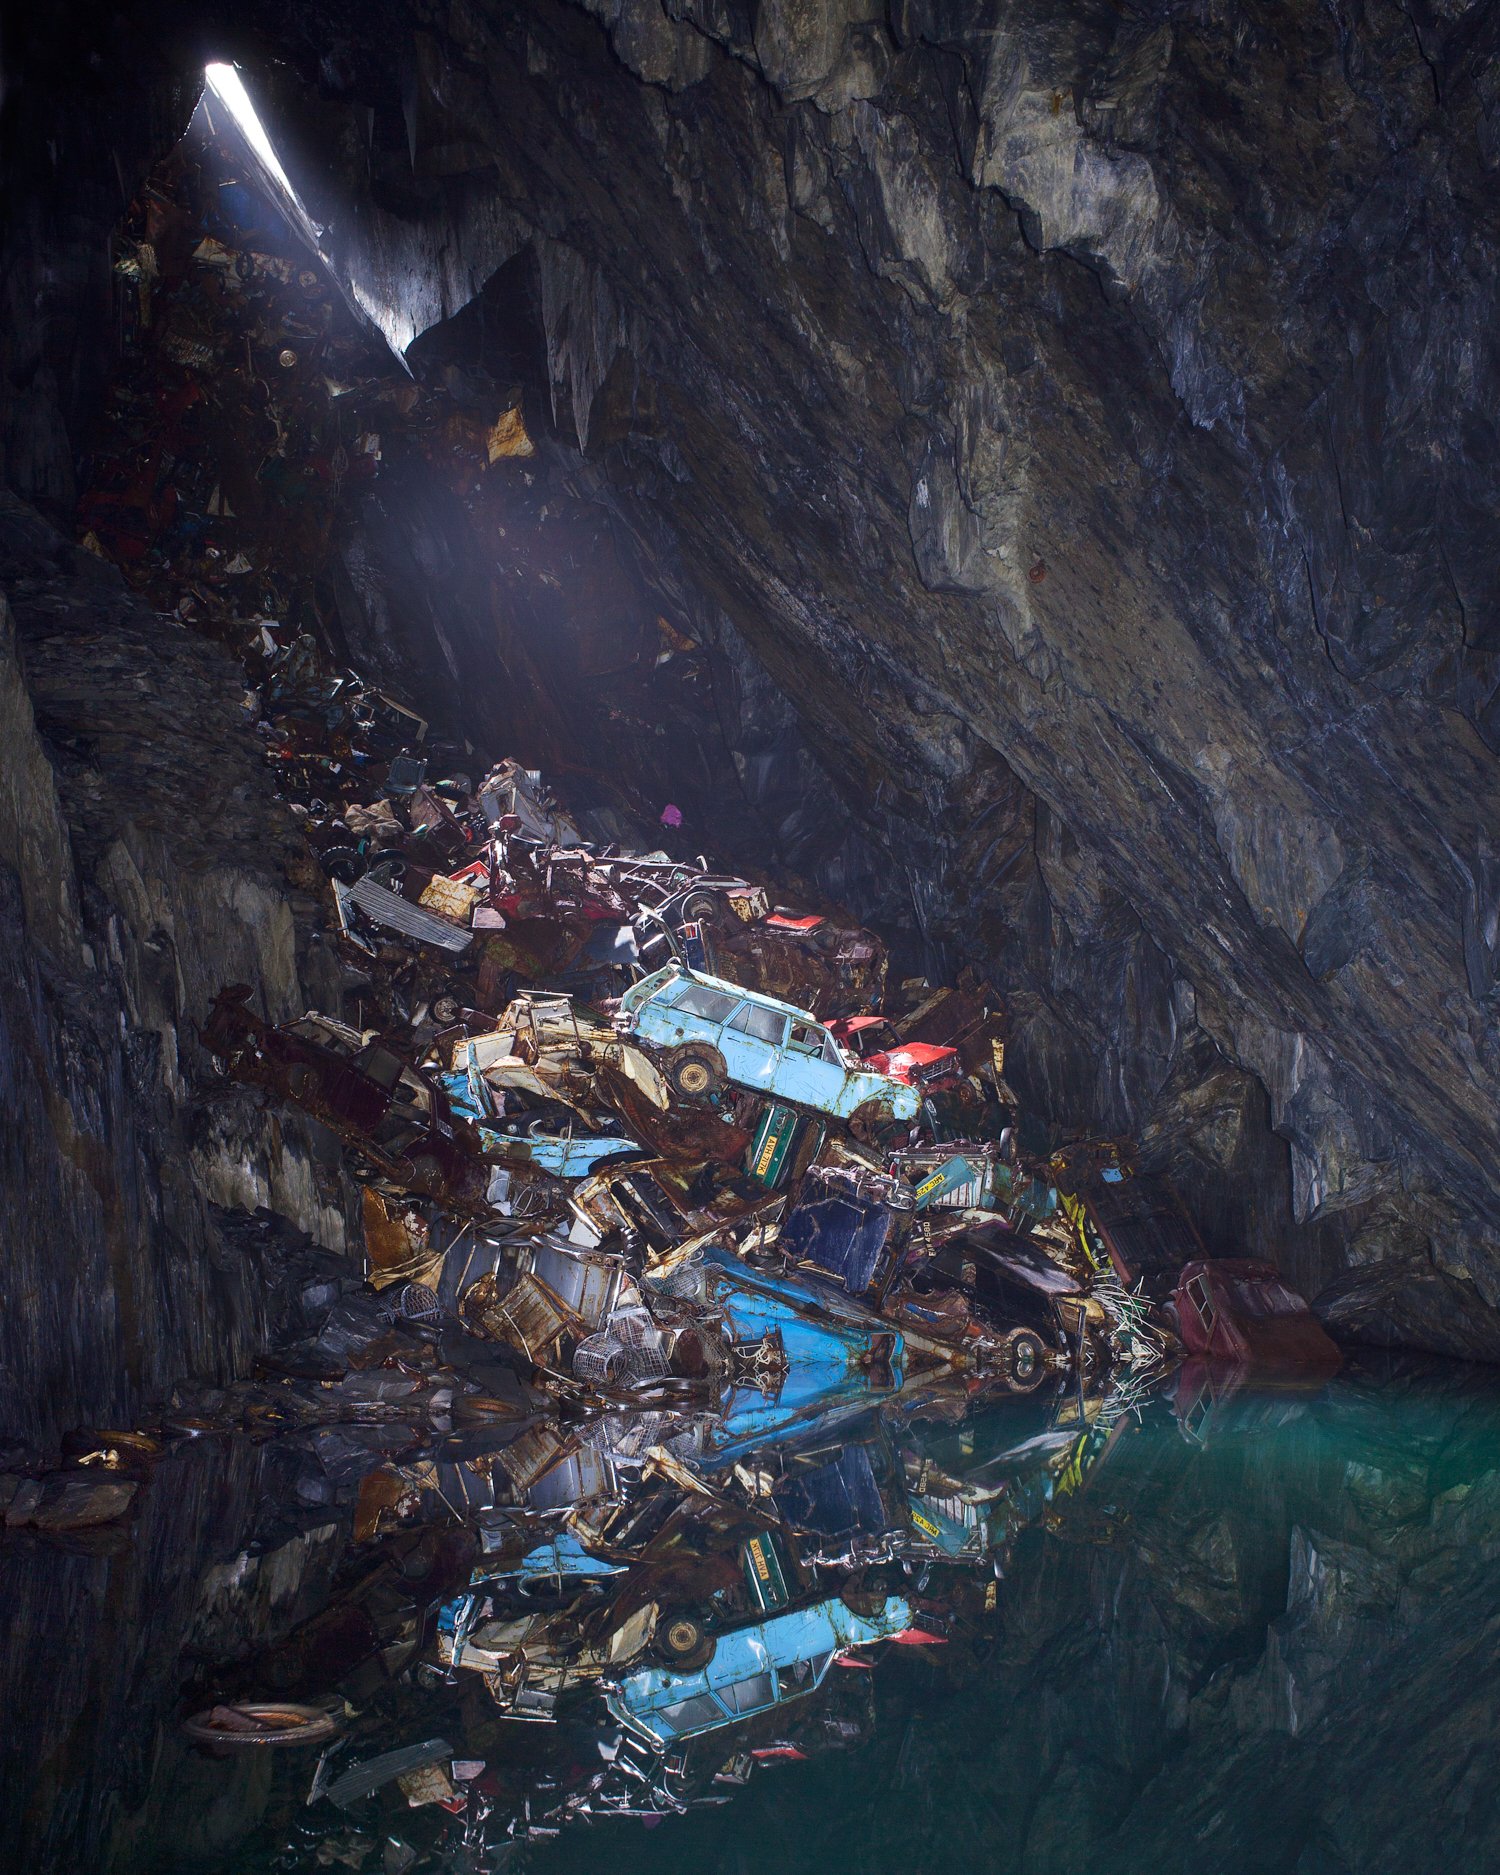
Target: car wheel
1023 1359
700 908
344 863
867 1120
695 1072
682 1642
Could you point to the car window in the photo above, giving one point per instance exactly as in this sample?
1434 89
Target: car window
801 1676
671 993
831 1051
748 1695
808 1038
764 1024
382 1066
699 1000
687 1715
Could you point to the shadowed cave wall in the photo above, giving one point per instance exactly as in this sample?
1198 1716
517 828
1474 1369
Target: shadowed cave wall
1065 428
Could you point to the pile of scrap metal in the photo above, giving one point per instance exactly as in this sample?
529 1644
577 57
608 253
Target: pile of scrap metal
646 1132
733 1332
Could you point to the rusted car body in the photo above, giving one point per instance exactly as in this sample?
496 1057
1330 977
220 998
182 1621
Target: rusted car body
1244 1313
832 969
357 1086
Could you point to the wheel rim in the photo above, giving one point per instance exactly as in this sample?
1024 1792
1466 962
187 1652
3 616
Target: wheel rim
682 1637
694 1078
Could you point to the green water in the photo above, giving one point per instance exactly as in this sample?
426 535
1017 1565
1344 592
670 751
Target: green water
1254 1634
1274 1649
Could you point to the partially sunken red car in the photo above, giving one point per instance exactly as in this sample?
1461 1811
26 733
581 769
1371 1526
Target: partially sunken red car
874 1042
1243 1313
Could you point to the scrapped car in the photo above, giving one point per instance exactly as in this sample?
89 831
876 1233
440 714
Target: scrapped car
529 1138
707 1032
832 969
850 1227
873 1041
1140 1228
360 1088
1239 1311
751 1670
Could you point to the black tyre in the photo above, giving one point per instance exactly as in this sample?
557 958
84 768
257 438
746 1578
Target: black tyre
700 907
695 1072
682 1642
344 863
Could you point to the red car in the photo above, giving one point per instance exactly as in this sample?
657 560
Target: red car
1234 1310
874 1042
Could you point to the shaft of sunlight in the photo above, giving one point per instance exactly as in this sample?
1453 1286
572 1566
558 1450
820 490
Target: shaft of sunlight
229 88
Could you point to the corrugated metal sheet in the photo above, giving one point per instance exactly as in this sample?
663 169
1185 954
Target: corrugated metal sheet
396 914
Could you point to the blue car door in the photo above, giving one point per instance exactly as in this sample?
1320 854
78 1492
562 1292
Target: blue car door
809 1070
751 1042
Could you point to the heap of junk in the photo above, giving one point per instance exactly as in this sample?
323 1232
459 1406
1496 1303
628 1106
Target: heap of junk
717 1332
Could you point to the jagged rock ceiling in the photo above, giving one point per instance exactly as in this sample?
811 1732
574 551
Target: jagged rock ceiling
1083 414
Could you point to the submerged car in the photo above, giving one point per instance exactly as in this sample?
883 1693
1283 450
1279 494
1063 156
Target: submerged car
707 1032
1234 1310
751 1670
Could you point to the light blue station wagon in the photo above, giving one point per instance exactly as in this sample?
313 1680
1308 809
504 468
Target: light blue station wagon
752 1670
707 1032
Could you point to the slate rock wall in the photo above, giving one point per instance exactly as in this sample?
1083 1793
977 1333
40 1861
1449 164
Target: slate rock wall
142 866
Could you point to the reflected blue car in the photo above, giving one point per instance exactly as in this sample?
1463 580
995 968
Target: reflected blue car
752 1670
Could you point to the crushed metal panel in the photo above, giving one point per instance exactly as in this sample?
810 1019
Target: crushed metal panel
537 1316
396 914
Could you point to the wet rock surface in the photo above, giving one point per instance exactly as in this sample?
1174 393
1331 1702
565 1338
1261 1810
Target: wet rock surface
144 858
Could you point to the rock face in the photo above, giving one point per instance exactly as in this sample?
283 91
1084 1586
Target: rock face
142 864
1081 417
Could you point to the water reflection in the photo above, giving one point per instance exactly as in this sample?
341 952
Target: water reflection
1257 1629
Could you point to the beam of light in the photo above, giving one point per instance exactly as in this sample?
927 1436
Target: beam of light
229 88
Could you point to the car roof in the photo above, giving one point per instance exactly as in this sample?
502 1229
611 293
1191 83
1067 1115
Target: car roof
740 993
